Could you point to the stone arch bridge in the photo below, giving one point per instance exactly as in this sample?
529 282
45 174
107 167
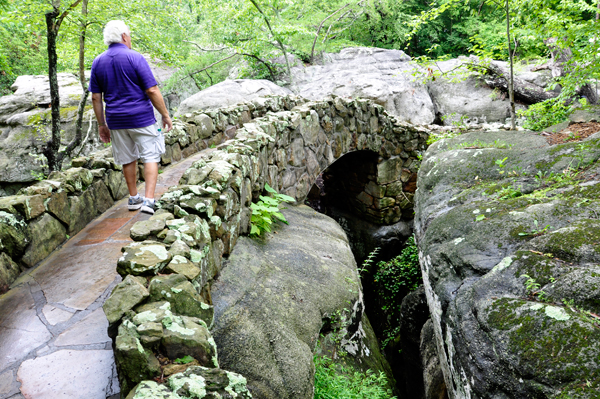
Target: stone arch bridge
288 150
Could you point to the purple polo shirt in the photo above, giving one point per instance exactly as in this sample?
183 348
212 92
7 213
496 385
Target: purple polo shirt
123 75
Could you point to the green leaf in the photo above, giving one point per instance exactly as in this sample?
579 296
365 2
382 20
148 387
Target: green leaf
479 218
184 360
286 198
269 189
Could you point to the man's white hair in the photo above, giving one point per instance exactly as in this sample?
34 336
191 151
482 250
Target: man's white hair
113 31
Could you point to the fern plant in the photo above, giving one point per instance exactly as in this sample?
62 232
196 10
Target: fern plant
266 211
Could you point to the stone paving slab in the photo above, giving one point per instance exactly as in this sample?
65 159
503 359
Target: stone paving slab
68 374
56 315
90 330
64 280
53 331
21 330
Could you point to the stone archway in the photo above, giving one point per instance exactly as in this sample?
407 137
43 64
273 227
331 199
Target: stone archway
288 150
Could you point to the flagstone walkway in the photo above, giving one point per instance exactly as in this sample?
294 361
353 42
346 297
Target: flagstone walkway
53 339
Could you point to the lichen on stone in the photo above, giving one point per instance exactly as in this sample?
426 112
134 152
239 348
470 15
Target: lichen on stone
194 383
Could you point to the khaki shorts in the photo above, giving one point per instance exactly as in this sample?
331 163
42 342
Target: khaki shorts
145 143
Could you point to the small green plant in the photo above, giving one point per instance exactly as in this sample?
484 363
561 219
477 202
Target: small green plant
337 382
480 217
393 280
533 289
547 113
508 193
500 164
266 210
39 176
184 360
369 260
536 231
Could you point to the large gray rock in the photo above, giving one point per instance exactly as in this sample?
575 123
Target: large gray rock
460 97
480 229
230 92
25 125
33 91
275 295
384 76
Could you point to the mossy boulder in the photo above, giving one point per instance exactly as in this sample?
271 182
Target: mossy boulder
508 238
276 295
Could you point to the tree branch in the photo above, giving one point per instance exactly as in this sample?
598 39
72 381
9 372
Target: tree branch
204 49
287 62
213 64
312 52
65 13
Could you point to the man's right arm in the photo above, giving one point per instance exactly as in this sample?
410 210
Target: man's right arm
103 130
159 103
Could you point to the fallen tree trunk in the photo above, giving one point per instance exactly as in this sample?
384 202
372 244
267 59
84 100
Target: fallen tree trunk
497 77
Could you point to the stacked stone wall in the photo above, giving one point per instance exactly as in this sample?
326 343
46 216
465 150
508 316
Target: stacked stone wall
163 308
41 217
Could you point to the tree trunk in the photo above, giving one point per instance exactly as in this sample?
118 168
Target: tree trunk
498 77
52 146
511 84
82 34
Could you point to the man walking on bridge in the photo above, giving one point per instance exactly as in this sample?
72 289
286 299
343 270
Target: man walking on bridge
123 77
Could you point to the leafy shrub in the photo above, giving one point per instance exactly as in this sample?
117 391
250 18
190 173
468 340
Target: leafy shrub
547 113
336 382
393 280
265 211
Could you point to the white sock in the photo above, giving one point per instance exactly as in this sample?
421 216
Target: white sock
151 200
137 196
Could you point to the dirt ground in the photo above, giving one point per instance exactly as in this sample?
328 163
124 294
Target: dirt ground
575 132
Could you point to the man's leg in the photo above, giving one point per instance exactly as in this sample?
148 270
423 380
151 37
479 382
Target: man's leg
150 178
129 171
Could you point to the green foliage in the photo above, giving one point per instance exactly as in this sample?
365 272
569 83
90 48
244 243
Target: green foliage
547 113
184 360
500 164
393 280
266 211
337 382
535 231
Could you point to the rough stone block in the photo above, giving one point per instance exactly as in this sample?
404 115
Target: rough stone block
28 206
9 271
181 294
146 228
389 170
14 234
47 233
143 259
125 296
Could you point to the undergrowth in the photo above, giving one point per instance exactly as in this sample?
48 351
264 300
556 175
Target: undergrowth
393 280
336 382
